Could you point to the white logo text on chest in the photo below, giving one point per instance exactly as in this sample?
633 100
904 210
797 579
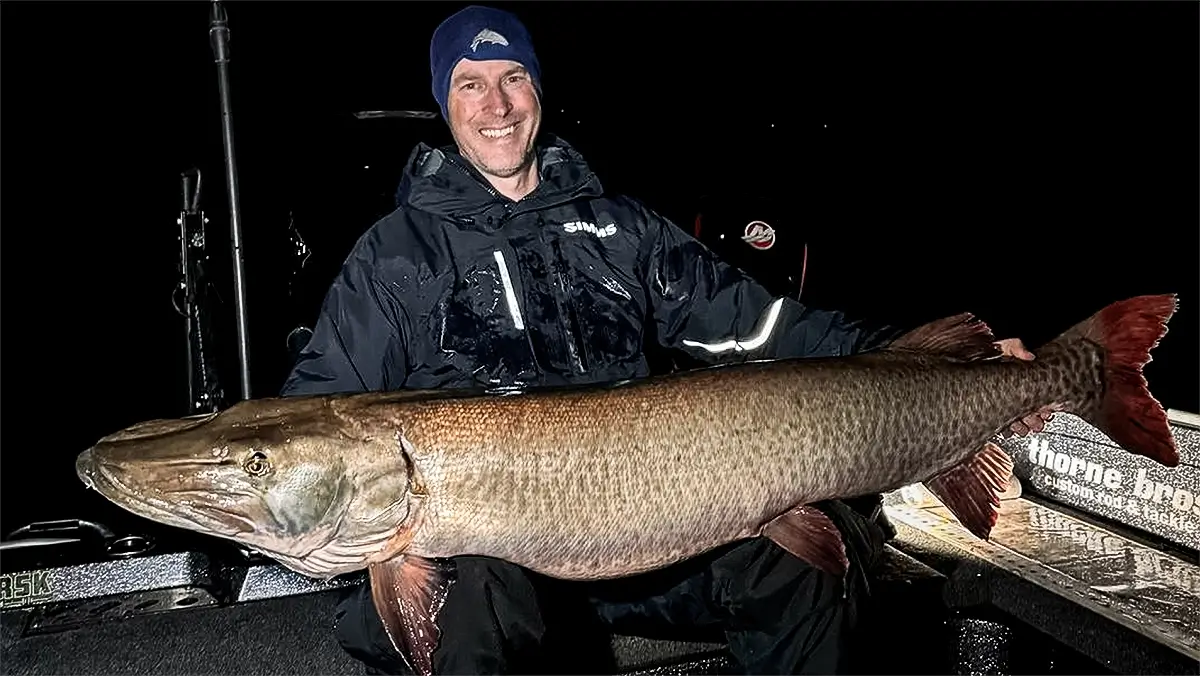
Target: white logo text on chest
583 226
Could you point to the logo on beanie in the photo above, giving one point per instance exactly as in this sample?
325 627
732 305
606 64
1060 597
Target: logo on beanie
488 35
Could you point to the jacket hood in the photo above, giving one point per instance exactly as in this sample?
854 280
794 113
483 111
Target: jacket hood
442 182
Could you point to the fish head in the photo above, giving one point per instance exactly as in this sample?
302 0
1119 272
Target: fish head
287 477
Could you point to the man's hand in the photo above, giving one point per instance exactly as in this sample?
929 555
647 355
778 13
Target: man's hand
1034 422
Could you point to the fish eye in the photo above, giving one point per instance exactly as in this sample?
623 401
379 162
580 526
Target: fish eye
257 464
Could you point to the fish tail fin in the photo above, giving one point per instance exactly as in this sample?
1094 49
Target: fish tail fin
1126 332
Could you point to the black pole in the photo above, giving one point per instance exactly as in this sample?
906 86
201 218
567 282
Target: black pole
218 33
188 209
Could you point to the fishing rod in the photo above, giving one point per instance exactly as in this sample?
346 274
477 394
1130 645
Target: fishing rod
218 33
191 299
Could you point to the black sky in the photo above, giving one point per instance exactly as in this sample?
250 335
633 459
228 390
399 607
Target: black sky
1030 162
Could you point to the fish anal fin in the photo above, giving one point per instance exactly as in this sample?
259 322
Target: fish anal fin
963 337
408 592
972 489
809 535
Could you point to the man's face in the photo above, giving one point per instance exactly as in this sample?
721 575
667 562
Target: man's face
494 115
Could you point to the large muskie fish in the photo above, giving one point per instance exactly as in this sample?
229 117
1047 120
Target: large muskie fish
602 483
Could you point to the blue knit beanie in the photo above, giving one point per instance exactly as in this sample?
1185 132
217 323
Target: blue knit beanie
480 34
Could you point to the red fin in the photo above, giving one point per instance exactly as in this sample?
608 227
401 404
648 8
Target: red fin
972 489
1127 330
961 336
809 535
408 592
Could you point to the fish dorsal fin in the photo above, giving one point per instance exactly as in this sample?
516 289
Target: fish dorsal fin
972 489
809 535
408 592
961 337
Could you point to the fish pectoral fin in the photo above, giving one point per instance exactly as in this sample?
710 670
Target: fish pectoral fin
408 592
961 337
809 535
972 489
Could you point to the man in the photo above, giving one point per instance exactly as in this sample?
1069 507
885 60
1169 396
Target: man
506 265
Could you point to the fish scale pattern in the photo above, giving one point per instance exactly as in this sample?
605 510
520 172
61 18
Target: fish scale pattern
612 482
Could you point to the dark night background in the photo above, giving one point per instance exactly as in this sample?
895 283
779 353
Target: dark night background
1029 162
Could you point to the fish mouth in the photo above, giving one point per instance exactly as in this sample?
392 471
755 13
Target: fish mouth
85 467
197 515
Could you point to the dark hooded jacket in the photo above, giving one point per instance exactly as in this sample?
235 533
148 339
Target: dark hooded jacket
462 287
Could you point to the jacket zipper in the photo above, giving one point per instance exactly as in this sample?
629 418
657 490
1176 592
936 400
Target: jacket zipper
572 335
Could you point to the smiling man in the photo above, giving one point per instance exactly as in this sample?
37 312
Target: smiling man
486 80
494 116
506 265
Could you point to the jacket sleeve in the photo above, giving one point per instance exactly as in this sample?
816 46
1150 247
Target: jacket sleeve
357 343
717 313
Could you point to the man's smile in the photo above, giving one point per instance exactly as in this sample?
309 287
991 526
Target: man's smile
501 132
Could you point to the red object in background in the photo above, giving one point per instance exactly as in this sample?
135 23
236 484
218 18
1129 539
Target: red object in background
727 230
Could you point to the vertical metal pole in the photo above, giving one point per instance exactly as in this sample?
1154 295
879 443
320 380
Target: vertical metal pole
185 282
218 33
